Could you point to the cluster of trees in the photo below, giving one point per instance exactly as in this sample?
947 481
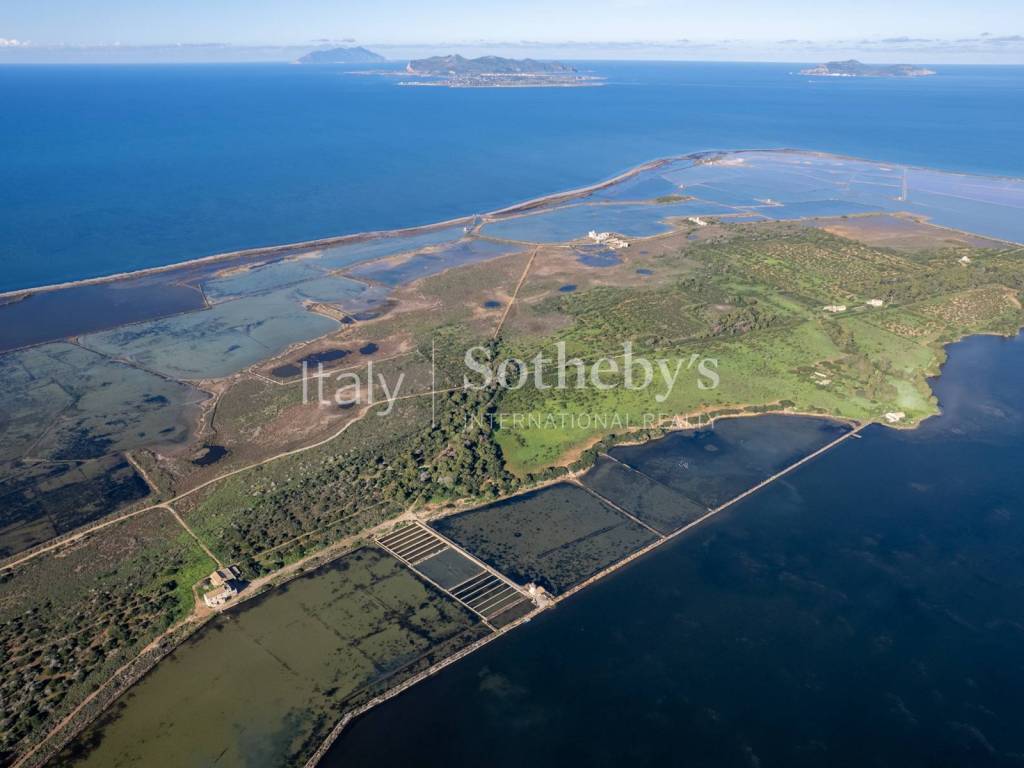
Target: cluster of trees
454 457
749 316
52 655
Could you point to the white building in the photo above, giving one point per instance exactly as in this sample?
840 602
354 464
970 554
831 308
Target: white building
216 597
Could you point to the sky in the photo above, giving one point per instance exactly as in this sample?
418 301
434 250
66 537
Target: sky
981 31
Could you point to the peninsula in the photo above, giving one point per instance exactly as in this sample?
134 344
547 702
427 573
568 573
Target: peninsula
164 467
854 68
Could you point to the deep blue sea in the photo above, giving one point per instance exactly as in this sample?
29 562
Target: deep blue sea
110 168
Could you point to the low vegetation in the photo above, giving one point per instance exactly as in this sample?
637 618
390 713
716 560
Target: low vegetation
69 619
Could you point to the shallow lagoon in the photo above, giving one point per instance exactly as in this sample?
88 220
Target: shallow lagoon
781 185
822 185
53 315
432 262
649 501
557 536
260 279
235 334
345 255
713 465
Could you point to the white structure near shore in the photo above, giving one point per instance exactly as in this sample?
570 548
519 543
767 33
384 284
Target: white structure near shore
607 238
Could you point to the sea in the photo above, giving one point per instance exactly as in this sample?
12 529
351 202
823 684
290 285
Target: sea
106 169
864 611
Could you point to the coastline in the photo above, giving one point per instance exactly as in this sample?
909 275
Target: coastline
283 249
515 208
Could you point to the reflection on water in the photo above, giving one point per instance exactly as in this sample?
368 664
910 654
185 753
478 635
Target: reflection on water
874 592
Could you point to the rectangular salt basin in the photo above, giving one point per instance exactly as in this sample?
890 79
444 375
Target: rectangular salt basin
260 279
556 537
339 256
713 465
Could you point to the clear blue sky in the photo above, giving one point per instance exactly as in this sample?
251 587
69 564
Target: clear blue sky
425 22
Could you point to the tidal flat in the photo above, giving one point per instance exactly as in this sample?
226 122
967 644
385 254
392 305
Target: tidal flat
63 402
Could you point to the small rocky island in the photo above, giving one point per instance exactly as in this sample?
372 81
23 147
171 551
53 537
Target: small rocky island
343 55
494 72
854 68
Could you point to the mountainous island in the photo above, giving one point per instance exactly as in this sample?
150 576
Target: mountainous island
344 55
494 72
854 68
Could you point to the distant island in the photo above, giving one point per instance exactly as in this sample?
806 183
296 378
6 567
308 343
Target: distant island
342 55
494 72
854 68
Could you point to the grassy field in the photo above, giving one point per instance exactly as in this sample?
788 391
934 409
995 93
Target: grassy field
753 299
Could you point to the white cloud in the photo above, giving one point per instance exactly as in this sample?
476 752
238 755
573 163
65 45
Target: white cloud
12 43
